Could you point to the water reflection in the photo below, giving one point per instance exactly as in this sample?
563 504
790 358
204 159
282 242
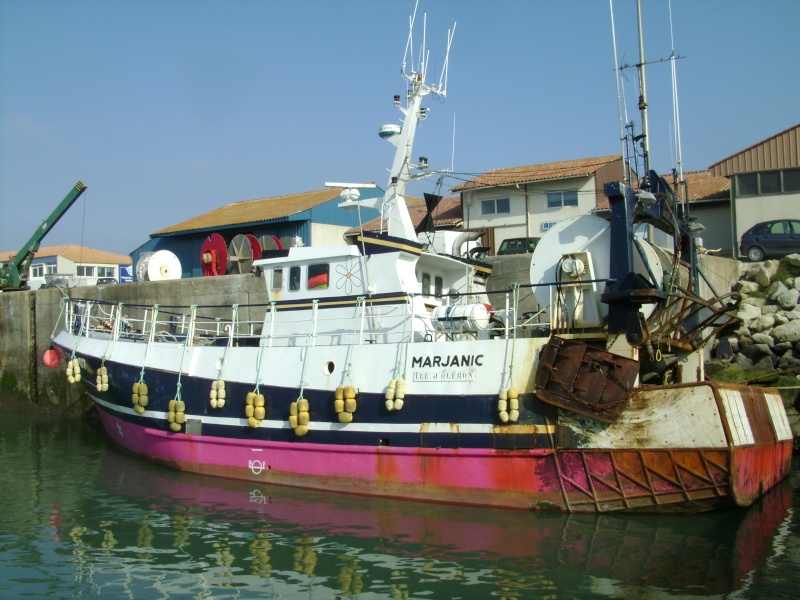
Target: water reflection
128 528
196 532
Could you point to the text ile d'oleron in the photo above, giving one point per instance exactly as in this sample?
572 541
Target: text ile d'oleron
456 367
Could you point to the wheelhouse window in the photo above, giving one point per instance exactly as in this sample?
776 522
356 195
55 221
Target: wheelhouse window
318 276
562 198
277 279
426 284
84 271
294 279
495 206
438 285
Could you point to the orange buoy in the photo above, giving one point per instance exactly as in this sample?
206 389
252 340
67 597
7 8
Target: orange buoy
51 358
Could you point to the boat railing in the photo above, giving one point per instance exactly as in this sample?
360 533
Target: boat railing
366 322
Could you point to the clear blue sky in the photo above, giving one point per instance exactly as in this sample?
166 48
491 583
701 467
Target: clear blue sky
170 108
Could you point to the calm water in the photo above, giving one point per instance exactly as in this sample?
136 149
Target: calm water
79 518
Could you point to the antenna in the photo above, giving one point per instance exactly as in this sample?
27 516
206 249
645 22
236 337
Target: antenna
643 95
450 34
676 114
453 152
626 174
409 41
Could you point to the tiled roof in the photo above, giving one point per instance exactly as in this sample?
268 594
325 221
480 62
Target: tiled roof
254 211
446 213
76 254
581 167
701 185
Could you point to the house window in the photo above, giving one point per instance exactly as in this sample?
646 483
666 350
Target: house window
50 268
747 185
277 279
294 279
495 206
791 180
37 270
84 271
561 199
769 183
105 272
318 276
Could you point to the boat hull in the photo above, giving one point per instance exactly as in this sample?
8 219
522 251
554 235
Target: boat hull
568 480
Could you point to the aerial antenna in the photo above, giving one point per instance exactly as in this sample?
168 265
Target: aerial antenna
676 114
453 151
409 41
626 174
643 95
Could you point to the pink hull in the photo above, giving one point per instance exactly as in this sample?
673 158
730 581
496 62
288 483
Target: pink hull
562 480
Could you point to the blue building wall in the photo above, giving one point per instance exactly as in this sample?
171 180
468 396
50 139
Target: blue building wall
187 246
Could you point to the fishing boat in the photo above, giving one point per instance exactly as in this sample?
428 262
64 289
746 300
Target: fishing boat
381 368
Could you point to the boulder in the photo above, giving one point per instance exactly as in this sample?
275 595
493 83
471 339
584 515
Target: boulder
753 301
792 260
787 298
748 311
744 363
789 332
763 338
748 287
789 360
774 288
764 273
756 352
765 364
761 323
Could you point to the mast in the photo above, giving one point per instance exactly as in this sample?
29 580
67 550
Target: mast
643 97
392 206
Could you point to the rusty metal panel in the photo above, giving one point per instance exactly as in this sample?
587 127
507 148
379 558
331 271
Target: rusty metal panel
583 379
679 417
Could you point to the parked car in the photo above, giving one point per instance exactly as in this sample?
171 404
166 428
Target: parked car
106 280
523 245
770 238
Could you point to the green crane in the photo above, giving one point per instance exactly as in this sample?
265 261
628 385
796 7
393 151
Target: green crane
14 275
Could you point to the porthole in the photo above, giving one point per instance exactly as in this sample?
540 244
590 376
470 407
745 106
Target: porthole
329 368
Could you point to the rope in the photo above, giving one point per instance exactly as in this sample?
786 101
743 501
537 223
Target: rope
84 322
402 355
149 338
515 300
185 345
114 336
234 318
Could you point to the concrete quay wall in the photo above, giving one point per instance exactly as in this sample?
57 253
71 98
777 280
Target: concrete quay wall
28 319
